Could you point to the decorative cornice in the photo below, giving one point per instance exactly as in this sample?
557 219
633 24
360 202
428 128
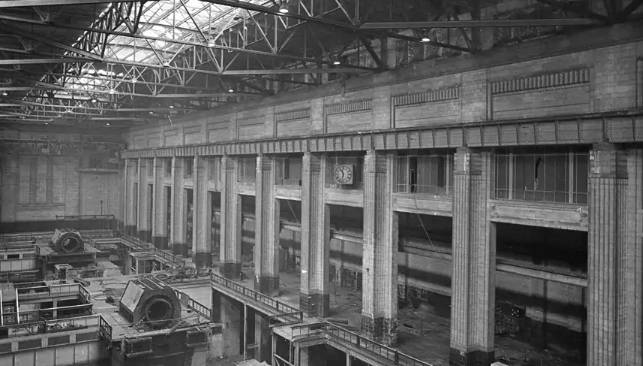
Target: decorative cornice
541 81
292 115
428 96
625 127
358 105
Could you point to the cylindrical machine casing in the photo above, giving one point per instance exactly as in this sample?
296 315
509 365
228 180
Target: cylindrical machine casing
67 241
150 302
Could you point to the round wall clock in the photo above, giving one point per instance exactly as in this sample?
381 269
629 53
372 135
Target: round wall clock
344 174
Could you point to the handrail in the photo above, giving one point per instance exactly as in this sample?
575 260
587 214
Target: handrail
84 293
40 325
104 329
144 246
50 290
193 304
287 311
280 361
330 330
74 323
78 217
107 221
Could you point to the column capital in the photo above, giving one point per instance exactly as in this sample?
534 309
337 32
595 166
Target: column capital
468 161
604 161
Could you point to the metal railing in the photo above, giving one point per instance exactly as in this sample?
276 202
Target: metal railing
334 332
283 310
87 222
26 317
40 291
73 323
193 304
104 329
84 294
148 247
280 361
31 320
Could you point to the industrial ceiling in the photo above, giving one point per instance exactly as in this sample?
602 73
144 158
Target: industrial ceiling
91 63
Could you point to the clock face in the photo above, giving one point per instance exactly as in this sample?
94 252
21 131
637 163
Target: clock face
344 174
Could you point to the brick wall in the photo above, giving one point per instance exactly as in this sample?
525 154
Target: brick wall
42 176
592 72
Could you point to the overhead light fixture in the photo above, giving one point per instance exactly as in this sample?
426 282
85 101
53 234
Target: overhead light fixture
46 123
171 107
4 93
336 62
425 39
151 113
230 90
112 91
94 100
107 124
283 8
211 42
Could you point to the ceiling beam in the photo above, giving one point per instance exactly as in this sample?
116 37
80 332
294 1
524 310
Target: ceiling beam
316 70
47 41
143 37
489 23
326 22
117 119
25 3
21 120
47 107
103 81
275 11
40 61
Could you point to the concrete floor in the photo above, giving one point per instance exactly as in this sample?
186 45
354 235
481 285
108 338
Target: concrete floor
423 332
346 307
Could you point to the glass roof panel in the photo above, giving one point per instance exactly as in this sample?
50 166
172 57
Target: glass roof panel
164 21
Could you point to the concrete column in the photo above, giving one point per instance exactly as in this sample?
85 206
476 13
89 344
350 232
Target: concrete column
127 262
139 196
155 201
612 205
143 229
125 205
178 212
216 306
201 247
315 240
379 259
273 348
159 230
230 245
130 216
474 260
629 286
266 249
233 319
262 337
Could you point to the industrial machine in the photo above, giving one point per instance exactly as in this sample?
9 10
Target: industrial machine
67 241
150 302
